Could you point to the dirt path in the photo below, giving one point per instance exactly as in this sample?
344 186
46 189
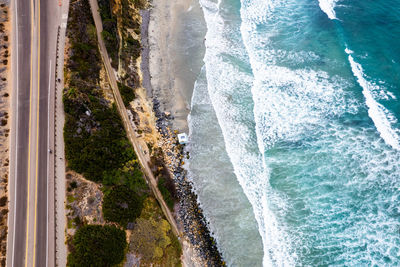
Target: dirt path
143 159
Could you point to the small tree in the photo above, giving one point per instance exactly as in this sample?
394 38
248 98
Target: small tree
97 246
122 205
150 238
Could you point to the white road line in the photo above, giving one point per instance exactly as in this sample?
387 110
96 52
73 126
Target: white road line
16 136
48 165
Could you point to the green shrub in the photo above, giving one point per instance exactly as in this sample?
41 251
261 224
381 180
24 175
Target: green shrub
104 148
109 34
127 93
167 194
111 43
97 246
73 184
150 238
153 238
129 175
105 9
132 47
122 205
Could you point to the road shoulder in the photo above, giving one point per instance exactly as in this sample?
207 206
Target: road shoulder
59 159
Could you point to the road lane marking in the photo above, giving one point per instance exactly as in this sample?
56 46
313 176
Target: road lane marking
48 166
29 142
16 134
37 136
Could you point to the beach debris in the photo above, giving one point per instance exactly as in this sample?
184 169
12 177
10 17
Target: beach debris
183 138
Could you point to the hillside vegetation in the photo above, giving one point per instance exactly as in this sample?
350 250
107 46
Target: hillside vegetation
96 146
96 245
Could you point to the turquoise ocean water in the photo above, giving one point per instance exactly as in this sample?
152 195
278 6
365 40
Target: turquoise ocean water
295 132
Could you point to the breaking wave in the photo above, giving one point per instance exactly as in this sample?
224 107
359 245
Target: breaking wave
315 156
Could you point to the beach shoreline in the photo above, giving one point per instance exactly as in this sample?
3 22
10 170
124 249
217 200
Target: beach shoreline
172 37
176 32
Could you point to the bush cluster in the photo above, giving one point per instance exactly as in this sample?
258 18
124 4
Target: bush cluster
122 205
95 140
153 239
97 147
110 32
127 93
97 246
166 190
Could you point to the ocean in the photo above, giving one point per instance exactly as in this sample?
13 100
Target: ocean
295 132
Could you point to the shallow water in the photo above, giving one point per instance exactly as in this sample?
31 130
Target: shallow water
295 136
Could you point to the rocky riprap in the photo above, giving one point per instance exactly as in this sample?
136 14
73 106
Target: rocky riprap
163 119
190 214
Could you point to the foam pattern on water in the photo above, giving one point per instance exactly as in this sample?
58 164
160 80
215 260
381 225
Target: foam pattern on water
328 6
223 201
320 174
382 118
299 120
229 83
342 187
287 104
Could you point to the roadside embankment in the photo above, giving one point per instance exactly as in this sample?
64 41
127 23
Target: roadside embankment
5 123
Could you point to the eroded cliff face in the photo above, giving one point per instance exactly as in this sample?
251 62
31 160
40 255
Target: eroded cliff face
122 24
126 14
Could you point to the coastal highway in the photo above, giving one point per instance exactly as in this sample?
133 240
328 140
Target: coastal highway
31 233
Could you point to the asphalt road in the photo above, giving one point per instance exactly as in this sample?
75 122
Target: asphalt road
31 190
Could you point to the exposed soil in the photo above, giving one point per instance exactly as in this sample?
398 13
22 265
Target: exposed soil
4 125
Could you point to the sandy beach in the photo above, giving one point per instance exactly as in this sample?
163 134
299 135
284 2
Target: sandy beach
176 34
172 56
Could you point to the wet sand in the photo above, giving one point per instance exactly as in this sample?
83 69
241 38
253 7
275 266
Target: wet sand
176 49
172 35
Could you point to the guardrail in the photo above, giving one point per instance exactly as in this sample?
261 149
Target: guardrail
55 145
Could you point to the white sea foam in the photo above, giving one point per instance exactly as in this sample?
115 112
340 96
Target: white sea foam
290 102
229 88
286 103
213 175
328 6
382 118
223 84
356 176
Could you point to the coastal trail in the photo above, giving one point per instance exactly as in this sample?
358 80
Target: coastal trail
127 125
